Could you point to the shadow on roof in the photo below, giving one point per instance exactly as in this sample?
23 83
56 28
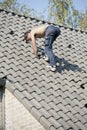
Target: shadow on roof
63 64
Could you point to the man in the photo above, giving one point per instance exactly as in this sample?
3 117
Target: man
50 32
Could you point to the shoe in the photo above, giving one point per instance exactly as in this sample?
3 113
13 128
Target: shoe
52 68
46 58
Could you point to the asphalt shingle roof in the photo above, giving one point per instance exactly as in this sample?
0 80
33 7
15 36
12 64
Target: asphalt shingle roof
57 100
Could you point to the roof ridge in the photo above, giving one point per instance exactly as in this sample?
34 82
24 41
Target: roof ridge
44 21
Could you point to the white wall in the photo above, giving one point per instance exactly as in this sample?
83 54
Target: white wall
17 117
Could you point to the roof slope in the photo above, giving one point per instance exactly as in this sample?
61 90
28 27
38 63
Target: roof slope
57 100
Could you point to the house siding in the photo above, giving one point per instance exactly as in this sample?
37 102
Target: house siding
17 117
0 109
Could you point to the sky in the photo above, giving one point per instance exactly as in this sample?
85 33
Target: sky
42 5
81 5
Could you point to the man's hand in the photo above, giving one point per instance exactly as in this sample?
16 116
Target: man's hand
38 56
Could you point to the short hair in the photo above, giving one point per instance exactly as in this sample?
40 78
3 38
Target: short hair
25 35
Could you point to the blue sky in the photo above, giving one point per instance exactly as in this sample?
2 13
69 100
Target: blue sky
80 4
42 5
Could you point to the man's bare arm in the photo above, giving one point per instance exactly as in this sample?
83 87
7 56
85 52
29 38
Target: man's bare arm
34 45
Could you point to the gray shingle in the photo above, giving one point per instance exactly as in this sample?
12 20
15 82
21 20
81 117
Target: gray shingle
55 123
56 100
36 113
47 124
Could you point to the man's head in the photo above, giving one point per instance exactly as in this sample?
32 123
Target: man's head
27 36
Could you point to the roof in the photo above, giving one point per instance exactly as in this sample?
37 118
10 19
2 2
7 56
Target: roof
57 100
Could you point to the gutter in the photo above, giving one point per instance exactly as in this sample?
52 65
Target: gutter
2 82
2 85
3 108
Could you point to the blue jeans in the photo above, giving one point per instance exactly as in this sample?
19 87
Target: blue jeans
52 32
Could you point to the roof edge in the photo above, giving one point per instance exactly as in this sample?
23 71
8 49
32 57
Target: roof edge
2 82
43 21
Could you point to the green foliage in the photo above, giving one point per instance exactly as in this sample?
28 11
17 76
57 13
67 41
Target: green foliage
83 21
58 9
8 4
16 7
63 11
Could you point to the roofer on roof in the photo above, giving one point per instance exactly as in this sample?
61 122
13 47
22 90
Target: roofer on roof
50 32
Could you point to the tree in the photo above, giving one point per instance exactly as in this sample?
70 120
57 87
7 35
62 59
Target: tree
58 9
8 4
16 7
63 11
72 18
83 21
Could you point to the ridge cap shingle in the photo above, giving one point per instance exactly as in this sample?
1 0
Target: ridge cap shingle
43 21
